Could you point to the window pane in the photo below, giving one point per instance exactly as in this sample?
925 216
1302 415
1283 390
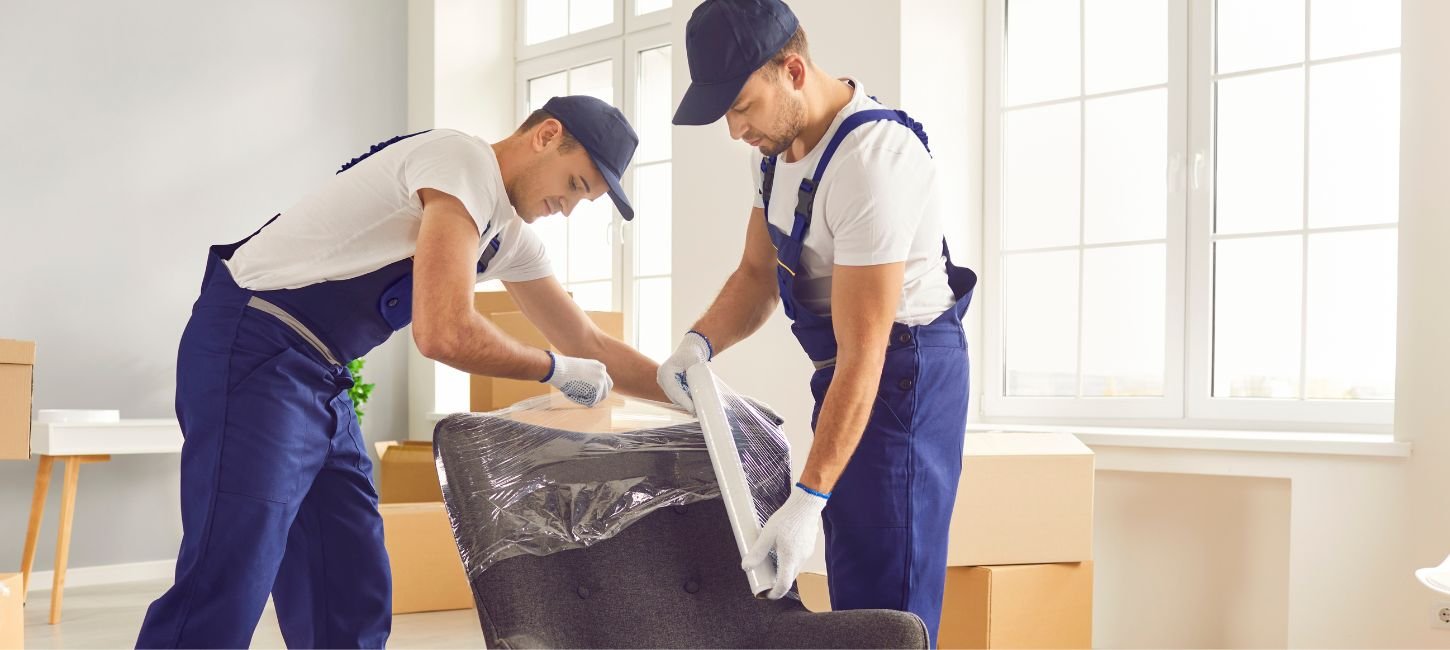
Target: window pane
595 80
588 14
1041 324
642 7
543 88
1123 324
1126 196
590 254
1354 142
655 109
594 296
652 219
1042 50
1257 305
554 232
1259 173
1340 27
546 20
1259 33
1126 43
652 317
1352 285
1042 178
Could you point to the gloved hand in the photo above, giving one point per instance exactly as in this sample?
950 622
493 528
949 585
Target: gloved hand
694 348
791 531
583 381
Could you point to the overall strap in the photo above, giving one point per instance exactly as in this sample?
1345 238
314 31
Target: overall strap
376 148
805 199
489 252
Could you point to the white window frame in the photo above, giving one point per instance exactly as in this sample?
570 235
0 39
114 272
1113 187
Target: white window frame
623 52
1201 404
634 44
1187 399
656 18
523 50
996 403
612 51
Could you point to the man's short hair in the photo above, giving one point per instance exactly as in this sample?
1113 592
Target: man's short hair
536 118
796 45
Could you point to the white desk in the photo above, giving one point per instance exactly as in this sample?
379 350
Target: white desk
76 444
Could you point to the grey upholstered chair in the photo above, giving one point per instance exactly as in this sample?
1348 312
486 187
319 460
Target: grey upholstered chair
671 580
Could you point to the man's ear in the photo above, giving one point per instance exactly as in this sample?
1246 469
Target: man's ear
795 68
546 133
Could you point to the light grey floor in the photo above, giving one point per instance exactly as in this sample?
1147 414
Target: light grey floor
109 617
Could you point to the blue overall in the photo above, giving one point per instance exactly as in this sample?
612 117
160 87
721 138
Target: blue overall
276 488
886 522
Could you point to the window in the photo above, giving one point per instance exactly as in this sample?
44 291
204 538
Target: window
606 263
1191 210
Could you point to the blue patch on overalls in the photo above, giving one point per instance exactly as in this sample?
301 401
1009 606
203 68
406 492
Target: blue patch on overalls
887 521
276 485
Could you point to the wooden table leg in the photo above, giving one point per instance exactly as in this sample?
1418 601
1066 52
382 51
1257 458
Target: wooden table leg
62 543
67 514
32 533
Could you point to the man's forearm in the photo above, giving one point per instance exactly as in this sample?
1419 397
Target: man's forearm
479 347
844 415
744 304
633 373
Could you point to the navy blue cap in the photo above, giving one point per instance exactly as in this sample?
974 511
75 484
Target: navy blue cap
726 41
605 135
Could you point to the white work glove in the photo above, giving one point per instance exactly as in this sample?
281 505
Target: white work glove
791 531
694 348
583 381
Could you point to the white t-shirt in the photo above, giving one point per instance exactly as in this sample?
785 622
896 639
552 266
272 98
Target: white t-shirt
368 217
876 204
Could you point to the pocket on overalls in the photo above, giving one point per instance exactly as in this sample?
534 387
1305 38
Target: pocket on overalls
270 428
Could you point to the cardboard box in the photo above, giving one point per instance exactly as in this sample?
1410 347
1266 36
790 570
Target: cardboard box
407 473
428 574
12 612
1022 606
815 594
17 385
492 393
1024 498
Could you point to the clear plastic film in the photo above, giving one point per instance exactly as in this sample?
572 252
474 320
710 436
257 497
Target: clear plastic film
547 475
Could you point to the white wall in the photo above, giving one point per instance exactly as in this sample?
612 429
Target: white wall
134 136
460 76
1422 411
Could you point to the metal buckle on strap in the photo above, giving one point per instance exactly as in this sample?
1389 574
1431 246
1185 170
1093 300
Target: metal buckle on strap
296 326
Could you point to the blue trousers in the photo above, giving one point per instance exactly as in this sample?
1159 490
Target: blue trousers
887 521
276 491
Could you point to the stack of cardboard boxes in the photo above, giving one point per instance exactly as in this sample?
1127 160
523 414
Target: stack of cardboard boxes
428 574
427 571
17 371
1020 571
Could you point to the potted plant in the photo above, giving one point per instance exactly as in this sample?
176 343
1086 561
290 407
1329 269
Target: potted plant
359 391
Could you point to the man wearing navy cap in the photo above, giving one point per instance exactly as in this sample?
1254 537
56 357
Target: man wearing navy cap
276 486
847 235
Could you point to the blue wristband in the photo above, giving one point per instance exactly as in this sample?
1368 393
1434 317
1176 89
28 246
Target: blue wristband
552 365
823 495
709 348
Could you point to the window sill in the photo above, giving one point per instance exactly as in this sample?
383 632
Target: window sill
1268 442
